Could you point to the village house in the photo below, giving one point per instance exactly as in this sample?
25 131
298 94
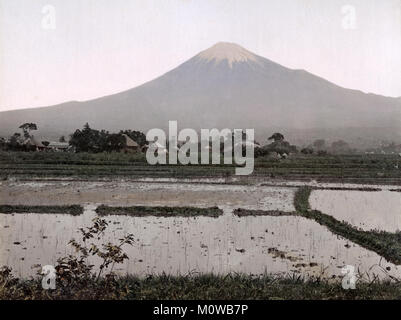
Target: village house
59 146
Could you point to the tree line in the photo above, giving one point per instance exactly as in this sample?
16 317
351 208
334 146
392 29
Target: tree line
94 141
84 140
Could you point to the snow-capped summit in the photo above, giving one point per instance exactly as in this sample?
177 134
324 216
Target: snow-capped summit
227 51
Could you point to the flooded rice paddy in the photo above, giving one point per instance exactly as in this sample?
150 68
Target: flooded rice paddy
363 209
181 245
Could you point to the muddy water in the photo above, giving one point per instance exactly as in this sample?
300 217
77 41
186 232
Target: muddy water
366 210
186 245
178 245
155 193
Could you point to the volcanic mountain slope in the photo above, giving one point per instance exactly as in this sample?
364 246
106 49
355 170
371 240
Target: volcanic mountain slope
223 86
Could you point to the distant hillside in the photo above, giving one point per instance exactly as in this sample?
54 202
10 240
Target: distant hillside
226 86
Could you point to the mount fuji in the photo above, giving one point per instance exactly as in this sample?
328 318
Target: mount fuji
226 86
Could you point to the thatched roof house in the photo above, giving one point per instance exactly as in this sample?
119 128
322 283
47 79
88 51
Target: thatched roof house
59 146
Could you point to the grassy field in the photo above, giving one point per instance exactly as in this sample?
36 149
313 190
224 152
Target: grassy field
204 287
142 211
240 212
74 210
378 169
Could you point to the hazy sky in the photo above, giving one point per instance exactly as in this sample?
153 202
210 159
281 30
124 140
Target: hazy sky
100 47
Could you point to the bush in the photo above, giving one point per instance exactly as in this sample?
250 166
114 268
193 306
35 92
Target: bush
75 276
307 151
